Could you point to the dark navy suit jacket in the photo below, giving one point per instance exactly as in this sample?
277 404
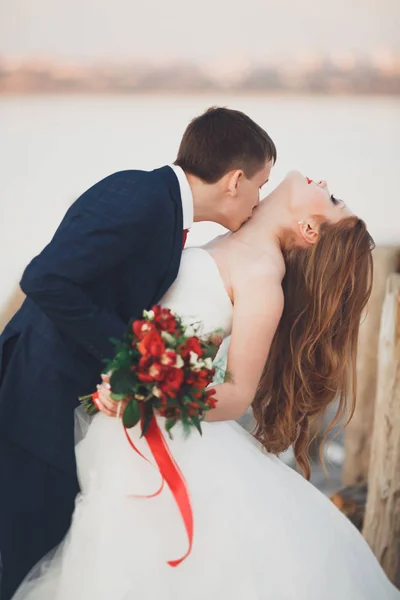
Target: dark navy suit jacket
115 253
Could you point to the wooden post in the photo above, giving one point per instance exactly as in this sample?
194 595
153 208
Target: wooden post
358 432
382 513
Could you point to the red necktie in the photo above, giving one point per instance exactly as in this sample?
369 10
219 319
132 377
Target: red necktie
185 233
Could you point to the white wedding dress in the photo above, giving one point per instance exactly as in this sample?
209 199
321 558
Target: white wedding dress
261 532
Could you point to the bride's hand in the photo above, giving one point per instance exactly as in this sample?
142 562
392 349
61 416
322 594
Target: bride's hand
105 404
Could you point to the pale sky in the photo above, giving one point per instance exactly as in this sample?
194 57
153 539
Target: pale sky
254 29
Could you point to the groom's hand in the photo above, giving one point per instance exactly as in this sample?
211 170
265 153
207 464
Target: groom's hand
105 404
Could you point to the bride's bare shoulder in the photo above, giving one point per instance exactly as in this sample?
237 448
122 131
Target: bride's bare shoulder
248 272
251 268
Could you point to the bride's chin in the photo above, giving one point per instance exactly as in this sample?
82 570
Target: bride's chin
294 175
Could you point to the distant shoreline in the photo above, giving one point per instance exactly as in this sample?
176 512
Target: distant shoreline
361 78
201 92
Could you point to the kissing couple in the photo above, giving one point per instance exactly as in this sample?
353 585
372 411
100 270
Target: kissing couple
289 283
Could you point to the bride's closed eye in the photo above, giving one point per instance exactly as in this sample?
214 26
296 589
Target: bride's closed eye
336 201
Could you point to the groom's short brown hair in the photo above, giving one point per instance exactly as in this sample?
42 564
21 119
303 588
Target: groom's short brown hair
221 140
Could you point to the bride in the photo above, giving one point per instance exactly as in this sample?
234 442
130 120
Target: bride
290 287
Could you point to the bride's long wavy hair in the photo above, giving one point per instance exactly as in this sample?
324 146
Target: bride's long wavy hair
312 360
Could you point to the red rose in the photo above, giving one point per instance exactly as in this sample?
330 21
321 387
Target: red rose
142 328
144 377
164 399
157 372
164 319
172 382
169 358
143 370
145 363
192 344
199 379
149 370
152 345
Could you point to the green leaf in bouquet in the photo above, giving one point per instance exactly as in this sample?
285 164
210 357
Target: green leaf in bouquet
123 356
208 351
168 426
196 423
131 414
187 428
117 397
148 415
121 381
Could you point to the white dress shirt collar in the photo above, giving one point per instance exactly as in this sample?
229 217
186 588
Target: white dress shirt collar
186 195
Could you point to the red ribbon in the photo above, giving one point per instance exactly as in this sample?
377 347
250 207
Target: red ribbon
170 473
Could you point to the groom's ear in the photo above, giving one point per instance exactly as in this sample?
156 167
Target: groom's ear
234 179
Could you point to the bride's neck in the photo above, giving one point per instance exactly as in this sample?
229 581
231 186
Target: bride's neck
269 224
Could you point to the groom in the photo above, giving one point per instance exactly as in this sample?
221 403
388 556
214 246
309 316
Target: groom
115 253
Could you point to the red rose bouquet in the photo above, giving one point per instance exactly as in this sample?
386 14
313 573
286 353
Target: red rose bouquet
163 366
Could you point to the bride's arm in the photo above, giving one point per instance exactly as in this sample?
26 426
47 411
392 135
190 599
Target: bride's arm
257 310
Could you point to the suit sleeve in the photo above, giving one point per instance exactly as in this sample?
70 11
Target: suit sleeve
113 220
